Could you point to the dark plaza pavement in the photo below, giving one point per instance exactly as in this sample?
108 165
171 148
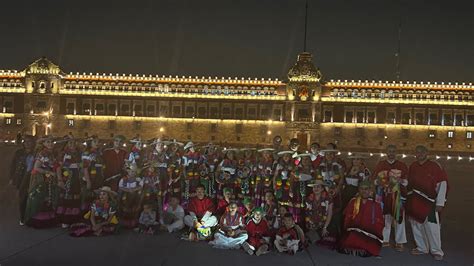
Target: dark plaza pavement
25 246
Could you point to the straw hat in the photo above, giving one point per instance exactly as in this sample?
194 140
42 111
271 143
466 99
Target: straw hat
107 190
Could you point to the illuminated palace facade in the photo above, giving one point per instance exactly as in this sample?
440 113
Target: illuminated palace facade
357 115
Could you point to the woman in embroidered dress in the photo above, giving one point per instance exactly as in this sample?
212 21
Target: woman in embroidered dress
130 197
318 216
300 177
357 172
263 175
92 176
281 178
101 217
43 191
67 171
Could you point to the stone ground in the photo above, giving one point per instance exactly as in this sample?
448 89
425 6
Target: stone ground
26 246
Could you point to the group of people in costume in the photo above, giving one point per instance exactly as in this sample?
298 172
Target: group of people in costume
277 198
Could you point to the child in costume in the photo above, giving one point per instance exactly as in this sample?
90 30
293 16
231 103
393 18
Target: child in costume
290 237
231 233
147 222
101 217
173 216
258 234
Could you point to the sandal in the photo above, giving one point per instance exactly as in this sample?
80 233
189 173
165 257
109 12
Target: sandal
399 247
416 252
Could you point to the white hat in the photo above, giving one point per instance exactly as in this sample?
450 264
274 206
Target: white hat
329 150
358 155
107 190
266 149
281 153
188 145
230 149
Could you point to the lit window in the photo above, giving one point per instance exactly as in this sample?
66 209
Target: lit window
450 146
432 134
8 121
70 122
469 135
18 121
450 134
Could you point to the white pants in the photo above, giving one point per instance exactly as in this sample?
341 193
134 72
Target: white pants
427 236
225 242
400 234
175 226
291 245
210 221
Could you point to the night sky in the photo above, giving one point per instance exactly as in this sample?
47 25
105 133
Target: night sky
352 39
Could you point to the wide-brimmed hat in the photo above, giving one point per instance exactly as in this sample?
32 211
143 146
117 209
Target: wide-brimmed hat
306 154
173 141
281 153
316 182
230 150
248 149
366 183
358 155
328 151
107 190
154 141
266 150
188 145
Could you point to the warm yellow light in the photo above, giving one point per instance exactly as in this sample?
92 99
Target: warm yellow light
396 101
162 129
269 132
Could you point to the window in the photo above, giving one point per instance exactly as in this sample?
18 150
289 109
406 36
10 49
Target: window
303 114
41 105
213 128
327 116
112 109
338 131
238 128
226 111
470 120
8 121
469 135
360 117
86 108
202 112
150 110
214 112
447 120
419 118
125 110
371 117
276 114
8 106
391 118
237 138
264 113
70 107
70 122
99 109
138 110
189 111
251 112
163 110
450 134
406 118
176 111
433 119
432 134
239 112
18 121
349 116
458 120
263 129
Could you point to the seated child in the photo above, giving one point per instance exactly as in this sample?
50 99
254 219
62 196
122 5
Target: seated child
231 233
290 237
200 219
258 234
278 221
147 222
270 207
247 208
172 219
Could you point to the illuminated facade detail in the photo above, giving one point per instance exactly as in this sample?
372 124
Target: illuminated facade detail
357 115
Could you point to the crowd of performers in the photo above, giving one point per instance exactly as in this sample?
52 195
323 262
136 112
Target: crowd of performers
278 198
